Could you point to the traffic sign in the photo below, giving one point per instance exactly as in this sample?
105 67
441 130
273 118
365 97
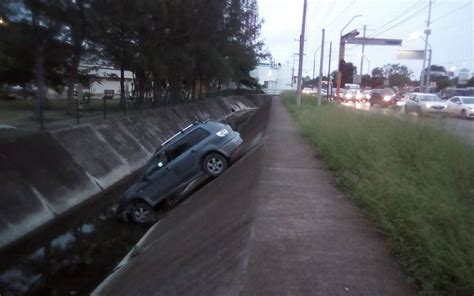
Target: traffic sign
411 54
375 41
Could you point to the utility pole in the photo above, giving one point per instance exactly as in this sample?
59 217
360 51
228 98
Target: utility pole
321 69
300 66
329 88
429 71
362 56
314 62
424 88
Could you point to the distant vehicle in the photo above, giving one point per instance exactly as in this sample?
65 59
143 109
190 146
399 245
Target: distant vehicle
450 92
383 97
352 86
352 95
201 148
309 91
425 104
461 106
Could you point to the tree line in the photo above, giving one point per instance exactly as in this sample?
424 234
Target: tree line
176 49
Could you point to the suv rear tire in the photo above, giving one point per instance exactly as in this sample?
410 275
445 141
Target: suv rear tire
214 164
142 213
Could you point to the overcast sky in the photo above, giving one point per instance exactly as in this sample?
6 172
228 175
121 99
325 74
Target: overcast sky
452 27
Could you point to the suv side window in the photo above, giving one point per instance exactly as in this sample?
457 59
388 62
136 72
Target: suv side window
186 143
196 136
455 100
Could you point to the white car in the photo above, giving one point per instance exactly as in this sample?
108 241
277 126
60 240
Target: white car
461 106
422 104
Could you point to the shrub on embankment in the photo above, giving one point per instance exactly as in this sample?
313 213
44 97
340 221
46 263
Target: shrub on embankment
416 182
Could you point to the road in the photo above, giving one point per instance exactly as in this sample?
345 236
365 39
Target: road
273 224
463 128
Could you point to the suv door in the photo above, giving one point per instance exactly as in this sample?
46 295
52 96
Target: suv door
160 179
186 165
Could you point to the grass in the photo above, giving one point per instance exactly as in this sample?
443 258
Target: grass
416 182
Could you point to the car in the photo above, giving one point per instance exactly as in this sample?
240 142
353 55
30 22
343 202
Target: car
203 148
352 95
461 106
383 97
422 104
450 92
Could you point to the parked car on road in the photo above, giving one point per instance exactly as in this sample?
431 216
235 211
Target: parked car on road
422 104
382 97
201 148
461 106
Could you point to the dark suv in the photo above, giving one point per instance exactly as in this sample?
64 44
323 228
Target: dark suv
201 148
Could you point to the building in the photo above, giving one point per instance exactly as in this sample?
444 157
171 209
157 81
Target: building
105 79
273 78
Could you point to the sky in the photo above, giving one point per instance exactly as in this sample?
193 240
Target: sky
452 37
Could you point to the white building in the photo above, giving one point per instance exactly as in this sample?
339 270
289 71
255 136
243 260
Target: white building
107 79
273 78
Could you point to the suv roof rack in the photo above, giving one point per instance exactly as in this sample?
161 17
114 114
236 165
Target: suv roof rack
184 129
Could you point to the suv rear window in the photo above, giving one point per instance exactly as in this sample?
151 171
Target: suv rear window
188 141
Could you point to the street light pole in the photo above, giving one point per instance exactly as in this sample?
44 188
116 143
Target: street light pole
329 87
362 57
320 84
341 55
427 34
300 66
314 62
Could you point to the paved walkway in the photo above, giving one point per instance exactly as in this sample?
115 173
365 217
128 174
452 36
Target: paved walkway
274 224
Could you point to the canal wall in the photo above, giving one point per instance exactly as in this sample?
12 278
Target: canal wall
46 174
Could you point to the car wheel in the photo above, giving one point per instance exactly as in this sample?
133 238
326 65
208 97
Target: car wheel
214 164
142 213
463 114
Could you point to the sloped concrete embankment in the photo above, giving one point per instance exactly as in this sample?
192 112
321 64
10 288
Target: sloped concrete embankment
44 175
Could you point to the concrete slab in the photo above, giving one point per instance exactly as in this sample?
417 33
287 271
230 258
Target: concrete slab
273 224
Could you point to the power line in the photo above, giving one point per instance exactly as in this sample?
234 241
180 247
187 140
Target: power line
343 11
452 11
407 18
399 15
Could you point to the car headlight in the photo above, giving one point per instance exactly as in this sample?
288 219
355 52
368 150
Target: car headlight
222 133
387 98
367 97
348 96
428 105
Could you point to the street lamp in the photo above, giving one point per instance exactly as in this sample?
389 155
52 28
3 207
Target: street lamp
426 85
341 53
314 61
355 16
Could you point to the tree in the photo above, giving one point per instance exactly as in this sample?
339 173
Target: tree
348 70
470 82
365 81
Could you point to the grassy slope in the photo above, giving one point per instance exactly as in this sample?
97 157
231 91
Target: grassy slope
417 183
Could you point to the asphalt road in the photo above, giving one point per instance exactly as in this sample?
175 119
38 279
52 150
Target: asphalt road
273 224
463 128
